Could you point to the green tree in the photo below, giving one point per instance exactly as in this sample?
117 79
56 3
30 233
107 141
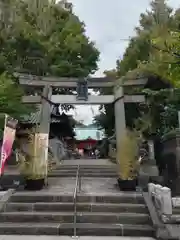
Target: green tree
105 119
42 37
164 58
160 113
10 99
139 49
154 23
47 39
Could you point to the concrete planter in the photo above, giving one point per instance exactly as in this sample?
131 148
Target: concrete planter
34 184
127 185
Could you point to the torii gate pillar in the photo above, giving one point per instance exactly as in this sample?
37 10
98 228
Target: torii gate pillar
120 121
45 110
44 127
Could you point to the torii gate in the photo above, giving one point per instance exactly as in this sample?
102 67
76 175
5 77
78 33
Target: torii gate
47 83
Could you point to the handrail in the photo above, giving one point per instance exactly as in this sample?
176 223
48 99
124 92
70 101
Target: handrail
75 202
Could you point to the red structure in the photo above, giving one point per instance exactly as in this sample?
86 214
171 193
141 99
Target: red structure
86 144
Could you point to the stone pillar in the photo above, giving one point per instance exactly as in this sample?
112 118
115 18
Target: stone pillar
45 111
166 201
178 149
120 122
153 171
179 119
151 150
45 122
162 200
151 189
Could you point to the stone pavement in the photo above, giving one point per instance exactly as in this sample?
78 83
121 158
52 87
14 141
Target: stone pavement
93 162
88 185
16 237
90 162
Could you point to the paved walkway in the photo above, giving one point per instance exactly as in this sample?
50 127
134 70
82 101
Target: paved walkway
15 237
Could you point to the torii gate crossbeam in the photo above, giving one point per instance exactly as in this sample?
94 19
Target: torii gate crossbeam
92 99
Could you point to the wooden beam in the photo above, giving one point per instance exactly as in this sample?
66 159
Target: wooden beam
30 80
92 99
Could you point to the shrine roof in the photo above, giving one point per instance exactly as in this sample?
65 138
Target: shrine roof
88 133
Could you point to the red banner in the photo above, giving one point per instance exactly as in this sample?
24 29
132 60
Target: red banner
8 140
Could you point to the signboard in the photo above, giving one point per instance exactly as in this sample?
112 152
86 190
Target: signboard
82 90
41 140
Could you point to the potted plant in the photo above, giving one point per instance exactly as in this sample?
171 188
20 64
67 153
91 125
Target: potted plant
127 162
31 163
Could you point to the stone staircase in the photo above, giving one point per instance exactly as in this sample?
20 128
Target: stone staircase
176 212
100 171
48 213
12 176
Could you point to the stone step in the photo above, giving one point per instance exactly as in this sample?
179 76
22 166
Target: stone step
45 196
82 217
176 210
85 170
101 167
57 237
84 174
86 207
83 229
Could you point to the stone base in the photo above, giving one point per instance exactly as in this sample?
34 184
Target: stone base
176 187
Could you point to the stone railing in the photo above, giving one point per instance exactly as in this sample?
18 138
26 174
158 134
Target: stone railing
163 201
167 211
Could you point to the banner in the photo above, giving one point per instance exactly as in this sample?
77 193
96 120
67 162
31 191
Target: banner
41 146
8 140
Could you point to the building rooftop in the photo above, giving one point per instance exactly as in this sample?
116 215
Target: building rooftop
88 132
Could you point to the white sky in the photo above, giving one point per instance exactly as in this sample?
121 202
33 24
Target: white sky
107 22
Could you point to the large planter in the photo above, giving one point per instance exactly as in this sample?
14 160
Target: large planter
170 152
12 181
34 184
127 185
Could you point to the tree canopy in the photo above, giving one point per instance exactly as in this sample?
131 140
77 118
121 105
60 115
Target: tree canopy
153 52
41 38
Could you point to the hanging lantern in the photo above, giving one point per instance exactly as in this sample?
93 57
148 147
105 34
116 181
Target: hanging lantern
55 112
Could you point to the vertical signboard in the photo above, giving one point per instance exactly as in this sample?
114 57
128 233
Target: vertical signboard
82 90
